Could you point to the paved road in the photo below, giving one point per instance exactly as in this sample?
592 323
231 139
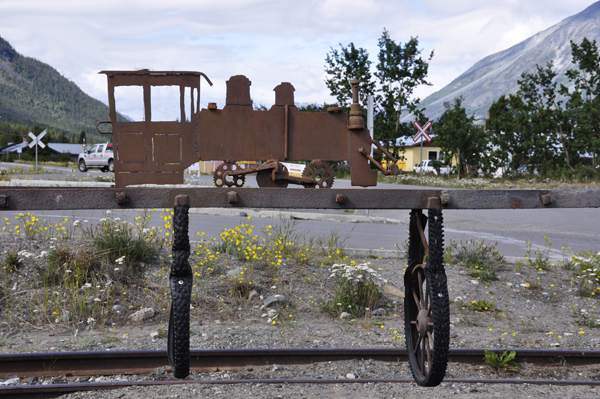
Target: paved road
510 229
575 228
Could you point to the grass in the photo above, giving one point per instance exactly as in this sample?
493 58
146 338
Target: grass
124 244
19 170
481 259
72 266
485 183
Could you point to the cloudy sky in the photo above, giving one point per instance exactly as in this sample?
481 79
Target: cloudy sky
269 41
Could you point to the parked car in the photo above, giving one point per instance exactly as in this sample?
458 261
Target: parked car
99 156
427 167
528 169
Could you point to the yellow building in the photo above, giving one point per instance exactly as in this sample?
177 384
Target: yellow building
412 153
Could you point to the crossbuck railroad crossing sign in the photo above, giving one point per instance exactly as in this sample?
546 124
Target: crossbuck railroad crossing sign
37 142
422 131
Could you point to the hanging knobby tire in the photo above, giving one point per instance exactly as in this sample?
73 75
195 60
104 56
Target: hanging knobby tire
180 282
426 304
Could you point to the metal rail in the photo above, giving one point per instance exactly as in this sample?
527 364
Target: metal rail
66 198
141 362
54 390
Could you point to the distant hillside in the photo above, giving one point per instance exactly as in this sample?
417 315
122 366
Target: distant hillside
497 74
33 92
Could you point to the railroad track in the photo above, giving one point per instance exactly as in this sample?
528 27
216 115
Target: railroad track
71 364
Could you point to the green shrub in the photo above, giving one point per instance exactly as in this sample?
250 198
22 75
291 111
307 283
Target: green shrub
586 173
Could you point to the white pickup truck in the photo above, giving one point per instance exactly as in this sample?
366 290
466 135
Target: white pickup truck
427 167
99 156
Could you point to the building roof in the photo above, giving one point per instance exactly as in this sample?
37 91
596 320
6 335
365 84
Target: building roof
73 149
14 148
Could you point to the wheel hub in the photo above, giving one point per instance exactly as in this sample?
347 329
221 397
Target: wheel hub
422 322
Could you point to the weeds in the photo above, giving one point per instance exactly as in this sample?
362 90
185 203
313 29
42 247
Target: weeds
583 319
11 261
504 360
68 266
483 260
482 306
356 290
240 243
115 239
586 270
541 257
162 332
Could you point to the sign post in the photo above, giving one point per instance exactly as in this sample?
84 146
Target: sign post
422 135
37 141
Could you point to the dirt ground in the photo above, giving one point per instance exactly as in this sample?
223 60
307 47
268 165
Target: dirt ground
549 315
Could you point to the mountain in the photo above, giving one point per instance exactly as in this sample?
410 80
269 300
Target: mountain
497 74
33 92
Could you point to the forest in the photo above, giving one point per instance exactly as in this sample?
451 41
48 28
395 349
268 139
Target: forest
546 128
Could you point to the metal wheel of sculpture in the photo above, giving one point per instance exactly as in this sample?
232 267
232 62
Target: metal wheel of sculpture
321 172
222 176
268 178
426 304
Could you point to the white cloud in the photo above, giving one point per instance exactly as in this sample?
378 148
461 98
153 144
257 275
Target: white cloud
269 41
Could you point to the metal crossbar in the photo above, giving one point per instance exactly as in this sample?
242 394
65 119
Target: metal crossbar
49 198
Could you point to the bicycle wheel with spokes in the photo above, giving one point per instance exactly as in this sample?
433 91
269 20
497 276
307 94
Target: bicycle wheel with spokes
426 303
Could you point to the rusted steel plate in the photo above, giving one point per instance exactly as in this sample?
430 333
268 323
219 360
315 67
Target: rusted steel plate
236 132
38 198
154 151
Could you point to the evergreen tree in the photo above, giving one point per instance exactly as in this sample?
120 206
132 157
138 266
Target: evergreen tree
463 143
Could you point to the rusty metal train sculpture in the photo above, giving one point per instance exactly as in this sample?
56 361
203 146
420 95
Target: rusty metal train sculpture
158 152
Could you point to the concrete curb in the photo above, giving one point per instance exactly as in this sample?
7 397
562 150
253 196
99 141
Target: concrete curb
270 214
56 183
